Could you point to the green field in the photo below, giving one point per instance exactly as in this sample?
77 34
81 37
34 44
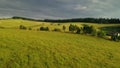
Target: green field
40 49
15 23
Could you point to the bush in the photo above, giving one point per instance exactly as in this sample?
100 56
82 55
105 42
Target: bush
44 28
88 29
78 31
101 34
64 27
73 28
119 38
115 37
30 28
23 27
94 32
59 24
57 29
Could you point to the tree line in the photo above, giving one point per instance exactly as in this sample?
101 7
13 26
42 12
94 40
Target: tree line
88 20
24 18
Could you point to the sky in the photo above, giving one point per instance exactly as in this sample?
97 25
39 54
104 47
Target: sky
60 9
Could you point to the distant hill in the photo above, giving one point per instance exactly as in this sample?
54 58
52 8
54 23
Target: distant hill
88 20
15 23
24 18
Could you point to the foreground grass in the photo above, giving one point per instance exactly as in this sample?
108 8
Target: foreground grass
35 49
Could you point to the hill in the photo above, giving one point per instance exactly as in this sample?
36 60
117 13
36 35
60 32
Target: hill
33 49
15 23
42 49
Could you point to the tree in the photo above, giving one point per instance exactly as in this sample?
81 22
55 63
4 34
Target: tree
101 34
57 29
78 31
22 27
87 29
88 20
115 37
30 28
44 28
93 31
73 28
64 27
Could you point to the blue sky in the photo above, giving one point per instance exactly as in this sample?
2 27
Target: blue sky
42 9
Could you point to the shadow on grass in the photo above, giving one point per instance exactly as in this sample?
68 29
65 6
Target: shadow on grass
111 28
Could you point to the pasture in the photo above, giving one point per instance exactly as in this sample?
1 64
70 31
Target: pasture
47 49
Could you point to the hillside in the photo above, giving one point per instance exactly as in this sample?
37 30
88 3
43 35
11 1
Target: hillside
33 49
15 23
47 49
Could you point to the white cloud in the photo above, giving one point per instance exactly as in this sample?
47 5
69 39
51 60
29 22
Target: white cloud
80 7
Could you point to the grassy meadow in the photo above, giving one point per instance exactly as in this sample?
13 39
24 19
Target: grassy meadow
15 23
47 49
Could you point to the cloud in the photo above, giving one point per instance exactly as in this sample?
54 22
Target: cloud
80 7
60 8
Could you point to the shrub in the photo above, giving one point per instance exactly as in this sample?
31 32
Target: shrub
78 31
73 28
44 28
59 24
94 32
29 28
23 27
57 29
101 34
115 37
119 37
87 29
64 27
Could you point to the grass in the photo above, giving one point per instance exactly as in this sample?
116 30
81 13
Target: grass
39 49
33 49
15 23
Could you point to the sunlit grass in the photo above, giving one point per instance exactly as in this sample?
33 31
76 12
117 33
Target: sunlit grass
15 23
39 49
36 49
